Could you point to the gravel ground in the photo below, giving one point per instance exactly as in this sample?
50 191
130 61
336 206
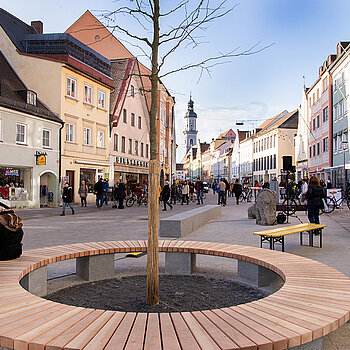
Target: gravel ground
176 294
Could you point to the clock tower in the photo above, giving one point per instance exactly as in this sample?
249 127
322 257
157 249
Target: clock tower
190 126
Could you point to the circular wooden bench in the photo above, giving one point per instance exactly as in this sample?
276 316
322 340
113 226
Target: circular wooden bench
314 300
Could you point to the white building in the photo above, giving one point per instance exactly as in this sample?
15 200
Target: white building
29 144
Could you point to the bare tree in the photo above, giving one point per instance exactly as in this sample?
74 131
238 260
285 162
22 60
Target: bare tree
158 38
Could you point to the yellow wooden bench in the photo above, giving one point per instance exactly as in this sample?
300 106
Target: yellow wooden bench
314 301
277 235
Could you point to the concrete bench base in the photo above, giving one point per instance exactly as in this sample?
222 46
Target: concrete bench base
182 224
35 282
179 263
95 267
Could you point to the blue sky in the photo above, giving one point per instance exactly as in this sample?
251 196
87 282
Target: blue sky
303 34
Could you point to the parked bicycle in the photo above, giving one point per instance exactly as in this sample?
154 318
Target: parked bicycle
332 202
246 195
140 199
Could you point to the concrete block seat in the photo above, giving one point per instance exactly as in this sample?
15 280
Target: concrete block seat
314 301
180 225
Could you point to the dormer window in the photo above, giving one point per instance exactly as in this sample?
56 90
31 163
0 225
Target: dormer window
31 98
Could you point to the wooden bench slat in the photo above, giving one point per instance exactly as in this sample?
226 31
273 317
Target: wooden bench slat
153 338
65 337
137 334
100 340
120 336
203 338
168 333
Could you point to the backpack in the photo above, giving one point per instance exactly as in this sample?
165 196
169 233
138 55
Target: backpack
11 234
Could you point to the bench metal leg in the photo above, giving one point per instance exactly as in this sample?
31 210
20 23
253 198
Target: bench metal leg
179 263
35 282
95 267
255 275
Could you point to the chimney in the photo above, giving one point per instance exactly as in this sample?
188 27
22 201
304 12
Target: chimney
38 26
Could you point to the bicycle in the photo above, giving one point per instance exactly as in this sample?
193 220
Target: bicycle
141 199
332 203
246 195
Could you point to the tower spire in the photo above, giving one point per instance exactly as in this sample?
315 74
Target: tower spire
190 125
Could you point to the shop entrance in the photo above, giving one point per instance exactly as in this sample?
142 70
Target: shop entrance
48 189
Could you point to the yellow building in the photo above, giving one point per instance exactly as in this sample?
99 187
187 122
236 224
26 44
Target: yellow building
74 82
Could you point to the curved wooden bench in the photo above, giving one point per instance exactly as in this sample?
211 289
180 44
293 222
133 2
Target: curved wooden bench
314 301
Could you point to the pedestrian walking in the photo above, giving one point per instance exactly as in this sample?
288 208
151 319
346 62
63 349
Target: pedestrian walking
191 192
67 197
222 189
165 195
105 191
199 191
315 195
185 191
173 193
120 194
237 190
83 192
98 189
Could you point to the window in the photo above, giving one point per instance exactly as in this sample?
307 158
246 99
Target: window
335 148
310 152
318 148
161 111
87 136
21 135
0 129
318 94
31 98
318 121
274 161
123 144
340 146
71 87
325 114
147 149
88 94
324 84
132 119
313 99
314 150
341 108
345 144
141 149
130 146
132 91
325 145
115 143
274 140
140 122
124 116
101 99
136 148
70 132
46 138
310 129
314 124
100 139
336 112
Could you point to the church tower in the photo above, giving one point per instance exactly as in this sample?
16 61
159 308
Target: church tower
190 126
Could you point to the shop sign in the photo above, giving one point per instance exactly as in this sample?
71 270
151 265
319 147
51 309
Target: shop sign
40 158
128 161
11 172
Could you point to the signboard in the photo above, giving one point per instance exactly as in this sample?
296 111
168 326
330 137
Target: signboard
41 160
11 172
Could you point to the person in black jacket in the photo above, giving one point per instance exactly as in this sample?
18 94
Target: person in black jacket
314 195
98 189
120 193
67 197
237 190
165 195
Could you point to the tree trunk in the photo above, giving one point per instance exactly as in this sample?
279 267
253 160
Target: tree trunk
153 183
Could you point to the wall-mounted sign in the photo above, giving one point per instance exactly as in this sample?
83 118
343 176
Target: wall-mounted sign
128 161
11 172
40 158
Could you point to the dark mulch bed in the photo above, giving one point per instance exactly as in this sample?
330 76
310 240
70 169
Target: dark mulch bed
176 294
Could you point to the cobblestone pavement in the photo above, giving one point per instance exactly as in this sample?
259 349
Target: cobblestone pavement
44 227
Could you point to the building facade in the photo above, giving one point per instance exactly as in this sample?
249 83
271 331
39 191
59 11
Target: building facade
29 144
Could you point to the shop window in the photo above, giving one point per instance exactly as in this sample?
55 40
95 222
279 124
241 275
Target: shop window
100 139
87 136
70 132
71 87
88 94
15 183
21 135
46 138
101 99
115 144
89 176
123 144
